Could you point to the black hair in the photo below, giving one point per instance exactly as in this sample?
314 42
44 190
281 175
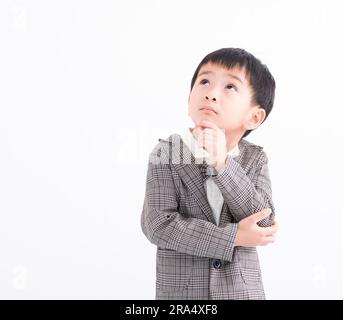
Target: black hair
261 80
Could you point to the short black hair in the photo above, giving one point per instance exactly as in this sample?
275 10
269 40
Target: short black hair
261 80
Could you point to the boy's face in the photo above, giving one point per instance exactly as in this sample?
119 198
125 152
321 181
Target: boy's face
228 93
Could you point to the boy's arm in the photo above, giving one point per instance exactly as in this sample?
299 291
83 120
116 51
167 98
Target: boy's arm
165 227
243 195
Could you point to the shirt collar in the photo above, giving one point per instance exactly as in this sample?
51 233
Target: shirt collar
198 152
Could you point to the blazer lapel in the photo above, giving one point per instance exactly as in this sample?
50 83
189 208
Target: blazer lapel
189 170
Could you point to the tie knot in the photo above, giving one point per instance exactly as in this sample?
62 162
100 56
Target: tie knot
207 171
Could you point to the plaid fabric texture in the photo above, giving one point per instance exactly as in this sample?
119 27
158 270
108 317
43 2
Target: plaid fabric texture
195 258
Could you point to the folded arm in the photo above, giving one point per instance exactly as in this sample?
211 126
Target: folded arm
244 195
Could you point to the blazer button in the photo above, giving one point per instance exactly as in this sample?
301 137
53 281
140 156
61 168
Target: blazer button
217 263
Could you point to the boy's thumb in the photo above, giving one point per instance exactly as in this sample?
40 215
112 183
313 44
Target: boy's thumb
262 214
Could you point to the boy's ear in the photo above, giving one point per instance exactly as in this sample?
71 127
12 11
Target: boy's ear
254 118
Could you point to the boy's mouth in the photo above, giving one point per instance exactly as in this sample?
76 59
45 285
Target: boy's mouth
208 109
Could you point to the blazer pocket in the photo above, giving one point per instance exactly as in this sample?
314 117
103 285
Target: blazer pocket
249 265
251 276
173 270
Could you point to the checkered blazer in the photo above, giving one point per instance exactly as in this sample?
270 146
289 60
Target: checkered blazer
195 258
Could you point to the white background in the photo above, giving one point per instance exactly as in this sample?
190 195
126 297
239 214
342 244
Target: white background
86 90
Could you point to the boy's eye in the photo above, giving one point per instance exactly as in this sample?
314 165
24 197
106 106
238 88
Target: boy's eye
231 86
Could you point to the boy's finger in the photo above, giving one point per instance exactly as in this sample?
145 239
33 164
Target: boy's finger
267 240
204 123
210 131
275 224
269 231
208 124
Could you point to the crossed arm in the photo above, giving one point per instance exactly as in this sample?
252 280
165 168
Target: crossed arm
165 227
243 195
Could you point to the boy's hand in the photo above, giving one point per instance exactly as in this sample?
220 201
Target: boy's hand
213 140
249 234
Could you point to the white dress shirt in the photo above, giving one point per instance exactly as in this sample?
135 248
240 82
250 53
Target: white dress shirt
213 192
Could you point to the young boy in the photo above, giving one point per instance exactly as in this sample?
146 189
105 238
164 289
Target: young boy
208 200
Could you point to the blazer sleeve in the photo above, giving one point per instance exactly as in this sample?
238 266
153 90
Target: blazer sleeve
244 195
165 227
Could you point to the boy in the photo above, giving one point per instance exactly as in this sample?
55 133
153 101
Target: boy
208 200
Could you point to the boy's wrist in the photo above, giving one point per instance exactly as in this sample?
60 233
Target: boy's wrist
220 165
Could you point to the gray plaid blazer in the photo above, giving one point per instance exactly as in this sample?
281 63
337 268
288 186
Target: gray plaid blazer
195 258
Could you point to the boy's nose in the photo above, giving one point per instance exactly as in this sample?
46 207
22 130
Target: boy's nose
214 99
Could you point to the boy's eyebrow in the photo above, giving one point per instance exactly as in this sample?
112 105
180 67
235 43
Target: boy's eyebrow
228 74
